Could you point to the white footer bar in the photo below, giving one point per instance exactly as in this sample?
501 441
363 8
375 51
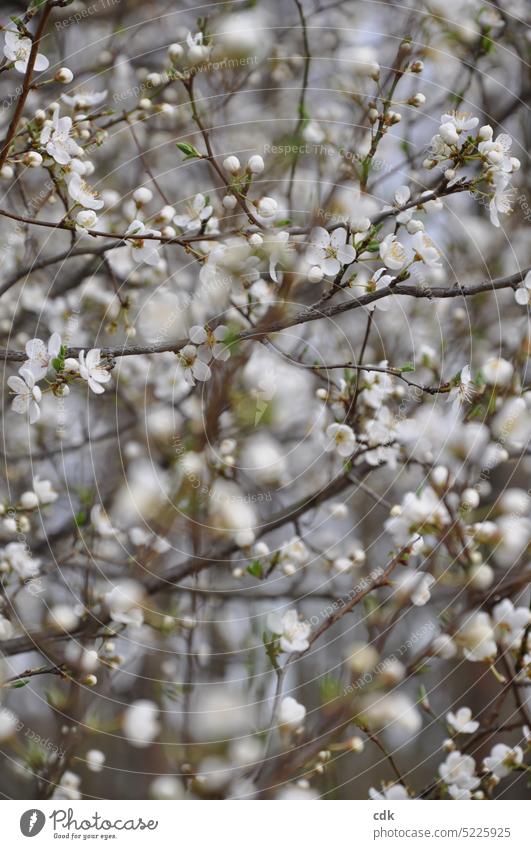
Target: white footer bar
356 824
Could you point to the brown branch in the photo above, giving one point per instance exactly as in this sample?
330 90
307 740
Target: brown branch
309 314
25 85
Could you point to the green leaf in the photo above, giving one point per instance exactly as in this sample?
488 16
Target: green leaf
407 367
255 569
18 684
487 44
58 362
188 149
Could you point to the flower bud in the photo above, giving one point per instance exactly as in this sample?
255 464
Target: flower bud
165 215
29 500
267 207
175 53
64 75
154 80
470 499
32 159
315 274
86 218
356 744
142 196
255 164
231 165
480 577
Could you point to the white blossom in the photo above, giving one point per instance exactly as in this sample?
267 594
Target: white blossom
416 514
210 342
503 759
510 623
392 712
68 787
166 787
426 250
198 212
501 199
293 631
443 646
95 760
462 721
465 389
39 356
81 100
17 556
17 49
81 193
27 394
455 127
56 138
522 294
101 522
124 602
193 364
93 370
414 586
140 723
341 439
380 280
197 50
497 371
290 714
459 771
393 253
143 250
6 631
330 251
476 637
391 793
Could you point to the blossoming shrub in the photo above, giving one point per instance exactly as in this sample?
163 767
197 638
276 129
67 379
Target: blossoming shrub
265 516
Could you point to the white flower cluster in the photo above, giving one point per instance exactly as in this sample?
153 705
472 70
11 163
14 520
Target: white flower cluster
28 395
323 414
456 145
480 634
207 344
